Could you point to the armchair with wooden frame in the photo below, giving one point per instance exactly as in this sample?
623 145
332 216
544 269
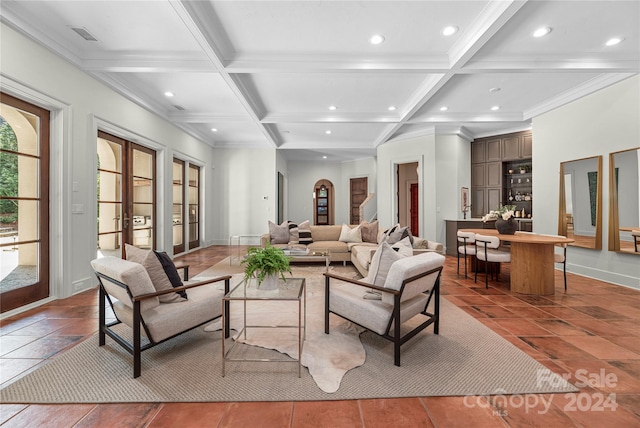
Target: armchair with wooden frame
128 289
411 285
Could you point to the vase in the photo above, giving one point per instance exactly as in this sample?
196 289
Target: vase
270 282
506 227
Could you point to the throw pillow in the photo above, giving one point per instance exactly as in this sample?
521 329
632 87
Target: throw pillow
381 262
159 278
397 233
369 231
294 235
350 235
279 234
304 233
403 247
171 272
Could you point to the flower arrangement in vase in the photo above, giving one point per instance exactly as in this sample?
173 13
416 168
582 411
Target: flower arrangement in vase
504 218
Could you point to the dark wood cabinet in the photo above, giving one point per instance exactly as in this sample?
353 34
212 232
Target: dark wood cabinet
491 181
493 150
477 152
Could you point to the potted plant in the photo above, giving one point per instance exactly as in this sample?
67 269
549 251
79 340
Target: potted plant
266 264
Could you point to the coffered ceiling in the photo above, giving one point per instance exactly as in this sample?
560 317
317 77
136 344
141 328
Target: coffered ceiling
265 73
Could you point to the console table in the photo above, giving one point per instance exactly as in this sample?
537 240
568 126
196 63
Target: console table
532 264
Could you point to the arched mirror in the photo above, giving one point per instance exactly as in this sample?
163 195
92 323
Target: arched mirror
624 201
580 205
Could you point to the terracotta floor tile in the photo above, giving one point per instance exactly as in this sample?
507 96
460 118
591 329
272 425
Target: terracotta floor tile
536 300
49 415
494 311
44 348
504 300
603 376
489 322
265 414
10 368
599 328
530 410
630 343
529 312
557 348
17 322
526 348
385 413
326 413
561 327
41 328
117 415
593 410
601 348
79 327
630 366
564 312
630 326
475 300
7 411
470 411
457 290
11 343
631 402
522 327
630 311
189 415
599 313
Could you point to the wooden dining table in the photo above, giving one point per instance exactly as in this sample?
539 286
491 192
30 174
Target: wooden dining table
532 260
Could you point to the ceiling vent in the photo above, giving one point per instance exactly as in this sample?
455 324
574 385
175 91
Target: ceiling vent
82 32
179 107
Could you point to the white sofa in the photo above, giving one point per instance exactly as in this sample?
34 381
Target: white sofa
327 238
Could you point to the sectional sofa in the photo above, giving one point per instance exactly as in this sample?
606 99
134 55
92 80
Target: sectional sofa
327 238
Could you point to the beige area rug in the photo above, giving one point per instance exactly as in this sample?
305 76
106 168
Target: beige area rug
466 358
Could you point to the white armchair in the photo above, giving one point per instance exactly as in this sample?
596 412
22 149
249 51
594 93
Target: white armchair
410 286
127 287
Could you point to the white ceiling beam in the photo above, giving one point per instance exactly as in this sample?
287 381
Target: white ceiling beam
195 17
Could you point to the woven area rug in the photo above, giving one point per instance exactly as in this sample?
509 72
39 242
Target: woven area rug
466 358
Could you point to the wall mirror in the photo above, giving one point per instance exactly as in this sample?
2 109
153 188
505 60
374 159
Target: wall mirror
624 201
580 204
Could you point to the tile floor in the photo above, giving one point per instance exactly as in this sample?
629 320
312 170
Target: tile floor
590 333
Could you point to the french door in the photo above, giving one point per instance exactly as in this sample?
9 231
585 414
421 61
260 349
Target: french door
178 206
194 206
126 195
24 203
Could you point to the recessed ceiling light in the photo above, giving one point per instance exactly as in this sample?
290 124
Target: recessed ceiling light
444 108
169 94
376 39
494 90
332 107
614 41
450 30
214 129
327 132
542 31
324 157
494 108
392 108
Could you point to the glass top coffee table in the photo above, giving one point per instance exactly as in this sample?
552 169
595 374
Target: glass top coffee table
291 289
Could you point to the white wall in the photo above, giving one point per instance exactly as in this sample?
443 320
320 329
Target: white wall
79 105
245 197
598 124
453 160
301 178
444 164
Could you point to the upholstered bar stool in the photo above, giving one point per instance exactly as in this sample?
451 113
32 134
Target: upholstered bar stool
466 247
488 250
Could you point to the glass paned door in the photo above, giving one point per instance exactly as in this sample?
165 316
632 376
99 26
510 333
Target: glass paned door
178 206
126 195
194 206
24 203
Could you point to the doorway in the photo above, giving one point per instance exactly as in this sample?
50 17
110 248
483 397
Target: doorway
24 203
358 191
126 195
323 202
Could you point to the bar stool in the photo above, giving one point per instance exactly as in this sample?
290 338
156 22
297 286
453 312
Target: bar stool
487 250
468 248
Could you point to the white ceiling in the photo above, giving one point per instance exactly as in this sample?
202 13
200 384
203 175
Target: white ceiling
264 73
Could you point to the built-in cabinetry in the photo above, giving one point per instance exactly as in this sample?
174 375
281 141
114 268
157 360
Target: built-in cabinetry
496 176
